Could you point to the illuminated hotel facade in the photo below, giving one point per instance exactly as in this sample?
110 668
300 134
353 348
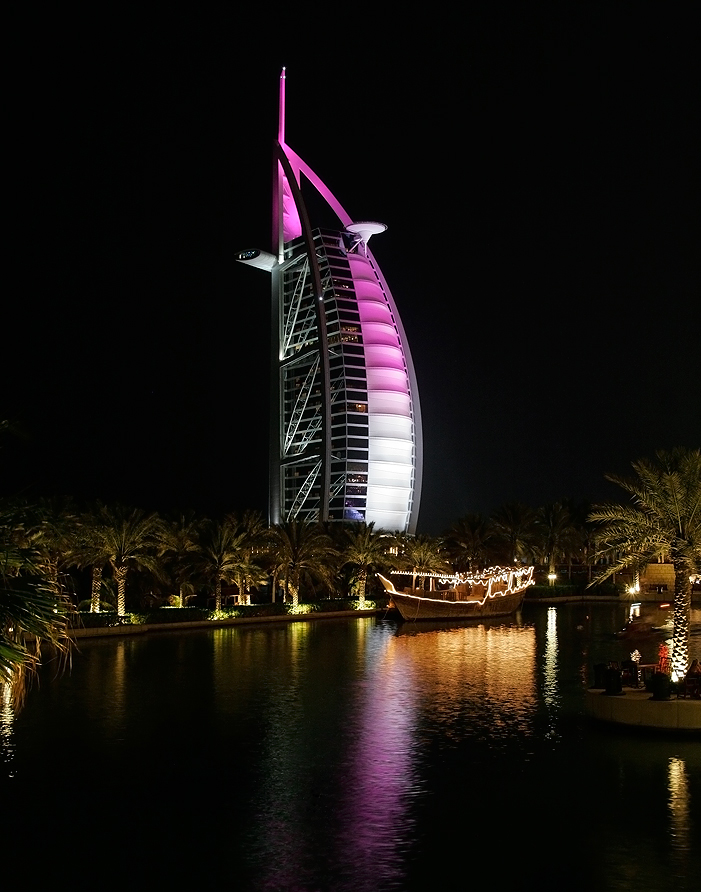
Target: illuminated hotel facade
346 439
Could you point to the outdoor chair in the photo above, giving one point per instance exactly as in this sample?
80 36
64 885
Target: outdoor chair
690 687
629 673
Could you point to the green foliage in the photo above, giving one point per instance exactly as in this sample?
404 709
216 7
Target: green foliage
301 553
224 556
168 615
514 534
467 543
364 549
421 555
34 606
663 519
105 607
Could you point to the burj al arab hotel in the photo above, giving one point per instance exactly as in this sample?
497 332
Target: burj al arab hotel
346 439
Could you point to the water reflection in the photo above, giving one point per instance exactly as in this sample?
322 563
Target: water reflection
551 695
375 814
462 671
680 825
425 688
373 724
287 786
358 755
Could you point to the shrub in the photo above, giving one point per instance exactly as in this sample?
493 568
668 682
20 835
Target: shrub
163 615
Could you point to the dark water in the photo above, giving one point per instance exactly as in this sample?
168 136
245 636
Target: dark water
347 755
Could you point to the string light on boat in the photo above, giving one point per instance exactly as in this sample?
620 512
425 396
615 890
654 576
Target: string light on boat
472 578
512 578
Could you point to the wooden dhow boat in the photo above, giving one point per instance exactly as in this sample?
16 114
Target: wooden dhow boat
497 591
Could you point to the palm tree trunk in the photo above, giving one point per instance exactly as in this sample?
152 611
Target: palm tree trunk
362 581
217 594
95 591
682 616
120 576
244 596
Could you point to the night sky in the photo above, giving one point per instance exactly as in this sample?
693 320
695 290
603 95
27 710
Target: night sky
539 177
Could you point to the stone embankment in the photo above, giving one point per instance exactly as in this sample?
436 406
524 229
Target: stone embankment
216 623
637 709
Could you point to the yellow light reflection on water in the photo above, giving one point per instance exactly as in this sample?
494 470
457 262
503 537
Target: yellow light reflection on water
550 666
492 664
551 691
678 786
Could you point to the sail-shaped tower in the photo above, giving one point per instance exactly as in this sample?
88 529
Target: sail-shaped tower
345 419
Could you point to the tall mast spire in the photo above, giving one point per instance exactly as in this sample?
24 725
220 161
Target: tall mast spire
278 179
281 113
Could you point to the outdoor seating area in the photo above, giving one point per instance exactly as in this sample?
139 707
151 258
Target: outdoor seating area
643 694
636 707
613 676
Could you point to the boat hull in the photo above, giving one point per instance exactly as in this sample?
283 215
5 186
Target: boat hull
430 606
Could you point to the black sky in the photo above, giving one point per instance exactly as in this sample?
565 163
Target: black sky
539 177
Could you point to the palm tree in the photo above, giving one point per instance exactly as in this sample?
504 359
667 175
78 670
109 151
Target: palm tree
422 555
89 549
51 530
467 542
300 551
123 538
513 526
364 549
664 519
254 532
221 554
582 543
178 548
32 604
555 535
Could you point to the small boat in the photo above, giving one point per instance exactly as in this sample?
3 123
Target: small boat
647 620
497 591
636 628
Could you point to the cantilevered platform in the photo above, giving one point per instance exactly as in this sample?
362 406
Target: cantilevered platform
637 708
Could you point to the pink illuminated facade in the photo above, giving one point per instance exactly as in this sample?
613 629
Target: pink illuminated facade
345 418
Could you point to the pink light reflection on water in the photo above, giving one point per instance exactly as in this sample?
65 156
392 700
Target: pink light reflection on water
439 679
375 813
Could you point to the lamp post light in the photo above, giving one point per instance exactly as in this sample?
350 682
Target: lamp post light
551 578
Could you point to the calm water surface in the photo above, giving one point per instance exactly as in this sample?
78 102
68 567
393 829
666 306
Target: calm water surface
347 755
